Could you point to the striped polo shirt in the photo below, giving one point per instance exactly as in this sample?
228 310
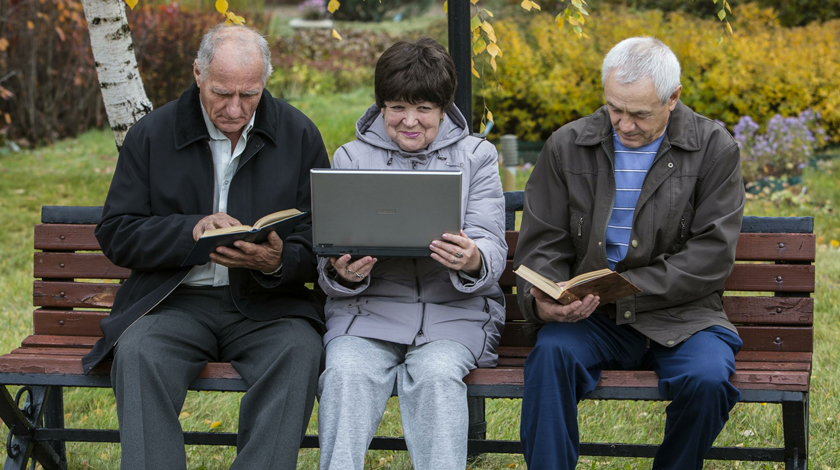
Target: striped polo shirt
631 167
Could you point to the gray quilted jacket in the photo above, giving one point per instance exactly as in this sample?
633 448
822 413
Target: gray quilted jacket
417 300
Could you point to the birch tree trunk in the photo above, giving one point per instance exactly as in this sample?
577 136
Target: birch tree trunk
113 52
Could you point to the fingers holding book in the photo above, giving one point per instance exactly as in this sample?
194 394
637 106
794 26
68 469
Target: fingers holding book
212 222
550 310
264 257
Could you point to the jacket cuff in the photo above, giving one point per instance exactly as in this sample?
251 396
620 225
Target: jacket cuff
333 288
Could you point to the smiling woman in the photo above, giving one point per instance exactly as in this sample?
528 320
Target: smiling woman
423 322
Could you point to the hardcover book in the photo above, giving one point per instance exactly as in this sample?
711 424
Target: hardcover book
282 222
608 285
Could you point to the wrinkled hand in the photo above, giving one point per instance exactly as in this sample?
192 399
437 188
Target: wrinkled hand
265 257
354 272
457 252
212 221
549 310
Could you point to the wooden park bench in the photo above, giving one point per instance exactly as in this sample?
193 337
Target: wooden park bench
74 286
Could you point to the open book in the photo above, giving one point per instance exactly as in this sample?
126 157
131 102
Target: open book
282 222
607 284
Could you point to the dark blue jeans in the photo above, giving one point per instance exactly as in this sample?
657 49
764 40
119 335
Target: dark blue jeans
566 364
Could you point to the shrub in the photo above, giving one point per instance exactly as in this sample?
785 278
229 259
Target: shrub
312 62
378 10
45 71
549 78
782 150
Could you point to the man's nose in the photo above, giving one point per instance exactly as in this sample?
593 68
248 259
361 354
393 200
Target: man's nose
233 107
626 124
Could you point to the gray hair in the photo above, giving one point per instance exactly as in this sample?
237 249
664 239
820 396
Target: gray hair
222 33
635 58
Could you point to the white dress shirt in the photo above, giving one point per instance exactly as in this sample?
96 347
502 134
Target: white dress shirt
225 163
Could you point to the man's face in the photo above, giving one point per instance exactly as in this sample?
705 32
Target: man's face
637 115
231 91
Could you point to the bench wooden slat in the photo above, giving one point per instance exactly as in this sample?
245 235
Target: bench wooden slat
73 294
771 278
77 266
53 341
746 379
754 310
774 356
776 247
67 323
65 237
756 338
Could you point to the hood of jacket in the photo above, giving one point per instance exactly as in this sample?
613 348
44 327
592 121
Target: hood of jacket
370 129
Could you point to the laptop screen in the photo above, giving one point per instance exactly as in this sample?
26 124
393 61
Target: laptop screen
383 212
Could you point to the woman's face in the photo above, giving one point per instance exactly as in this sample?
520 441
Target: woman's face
412 126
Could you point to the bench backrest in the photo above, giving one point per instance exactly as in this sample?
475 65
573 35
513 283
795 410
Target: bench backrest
768 293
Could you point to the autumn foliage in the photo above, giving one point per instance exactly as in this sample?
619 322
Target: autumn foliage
549 78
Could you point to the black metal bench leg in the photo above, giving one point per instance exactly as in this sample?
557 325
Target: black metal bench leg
21 445
795 423
54 419
478 425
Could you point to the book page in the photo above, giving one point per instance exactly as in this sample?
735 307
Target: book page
275 217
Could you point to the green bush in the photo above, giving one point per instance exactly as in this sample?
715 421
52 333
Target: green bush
549 78
312 62
378 10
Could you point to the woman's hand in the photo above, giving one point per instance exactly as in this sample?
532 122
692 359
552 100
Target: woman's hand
355 272
457 252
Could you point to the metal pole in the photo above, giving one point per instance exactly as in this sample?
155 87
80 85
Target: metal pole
460 50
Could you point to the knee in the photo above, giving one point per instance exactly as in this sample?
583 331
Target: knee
706 382
549 354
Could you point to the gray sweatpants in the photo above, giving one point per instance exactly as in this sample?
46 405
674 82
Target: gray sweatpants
357 383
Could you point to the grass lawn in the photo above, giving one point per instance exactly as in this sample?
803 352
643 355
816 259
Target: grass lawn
78 172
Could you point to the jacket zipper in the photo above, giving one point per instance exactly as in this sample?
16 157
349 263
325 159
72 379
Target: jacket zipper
682 229
423 304
612 204
353 320
580 227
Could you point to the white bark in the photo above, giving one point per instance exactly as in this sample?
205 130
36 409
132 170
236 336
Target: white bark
119 78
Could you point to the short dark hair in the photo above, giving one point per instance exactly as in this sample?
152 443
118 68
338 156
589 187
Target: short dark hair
414 72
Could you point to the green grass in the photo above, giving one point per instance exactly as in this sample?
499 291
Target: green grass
78 171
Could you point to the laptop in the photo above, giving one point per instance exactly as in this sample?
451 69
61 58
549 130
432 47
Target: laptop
383 212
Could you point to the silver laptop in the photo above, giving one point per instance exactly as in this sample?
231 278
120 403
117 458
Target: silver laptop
383 212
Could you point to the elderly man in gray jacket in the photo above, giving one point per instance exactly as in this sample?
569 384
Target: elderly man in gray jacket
652 190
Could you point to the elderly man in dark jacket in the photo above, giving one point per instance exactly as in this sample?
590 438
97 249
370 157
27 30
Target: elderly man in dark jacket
225 152
652 190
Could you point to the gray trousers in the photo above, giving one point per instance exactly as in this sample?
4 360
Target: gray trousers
355 387
160 354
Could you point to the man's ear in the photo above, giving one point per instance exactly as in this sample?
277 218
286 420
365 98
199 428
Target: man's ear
675 96
197 73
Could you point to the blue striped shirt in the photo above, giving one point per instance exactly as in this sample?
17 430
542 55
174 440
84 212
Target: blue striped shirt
631 167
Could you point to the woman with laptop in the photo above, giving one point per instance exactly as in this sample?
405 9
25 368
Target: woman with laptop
423 322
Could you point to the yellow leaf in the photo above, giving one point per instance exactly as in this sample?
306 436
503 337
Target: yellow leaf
573 21
489 116
473 1
535 6
481 128
489 13
526 4
333 6
336 35
560 20
222 6
131 3
230 17
215 424
239 20
479 46
446 6
30 25
493 63
183 415
835 243
729 27
4 44
8 118
494 50
475 72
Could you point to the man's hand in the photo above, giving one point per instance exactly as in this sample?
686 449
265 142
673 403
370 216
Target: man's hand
212 221
549 310
265 257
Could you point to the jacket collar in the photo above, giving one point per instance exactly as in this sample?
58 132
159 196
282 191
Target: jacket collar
190 126
682 128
